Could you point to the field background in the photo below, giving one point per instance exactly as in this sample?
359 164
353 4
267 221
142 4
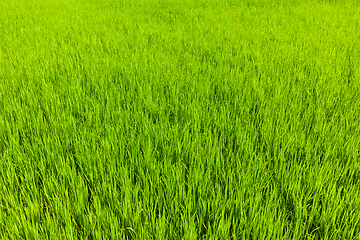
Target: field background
183 119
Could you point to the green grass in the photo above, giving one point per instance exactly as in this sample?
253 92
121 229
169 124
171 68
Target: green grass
179 119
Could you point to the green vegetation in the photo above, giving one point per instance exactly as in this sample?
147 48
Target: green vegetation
209 119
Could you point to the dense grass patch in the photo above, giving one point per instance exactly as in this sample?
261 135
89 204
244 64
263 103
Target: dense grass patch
179 119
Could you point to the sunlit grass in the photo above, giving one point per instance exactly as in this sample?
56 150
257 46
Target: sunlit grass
179 119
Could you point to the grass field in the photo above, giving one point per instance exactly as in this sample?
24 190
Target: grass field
184 119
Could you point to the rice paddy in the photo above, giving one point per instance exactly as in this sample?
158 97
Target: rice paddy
209 119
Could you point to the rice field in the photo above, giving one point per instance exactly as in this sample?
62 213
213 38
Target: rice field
179 119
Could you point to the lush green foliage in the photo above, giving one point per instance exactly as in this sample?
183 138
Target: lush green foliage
179 119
